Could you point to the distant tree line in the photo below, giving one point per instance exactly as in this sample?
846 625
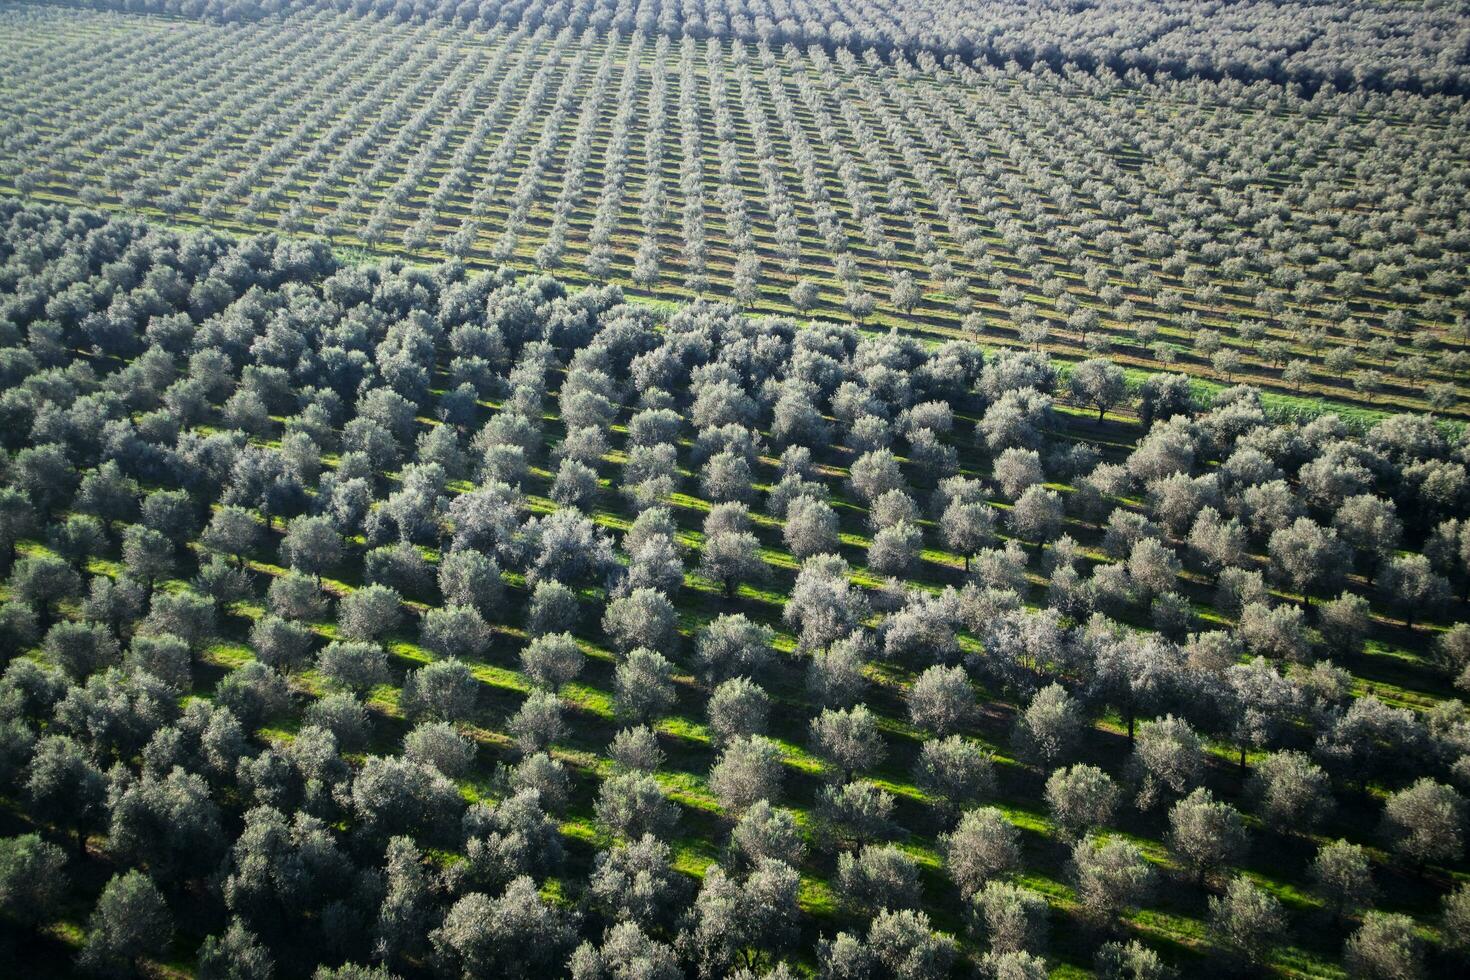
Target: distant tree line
1355 44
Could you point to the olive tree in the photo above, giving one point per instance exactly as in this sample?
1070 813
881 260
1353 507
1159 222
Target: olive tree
33 879
643 618
955 772
444 690
942 700
737 708
131 920
748 770
1008 918
1098 382
983 846
1205 834
552 660
876 877
1385 945
1426 822
1167 760
1109 877
848 739
1081 798
1342 875
731 646
1247 922
1292 794
642 685
632 805
1049 728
